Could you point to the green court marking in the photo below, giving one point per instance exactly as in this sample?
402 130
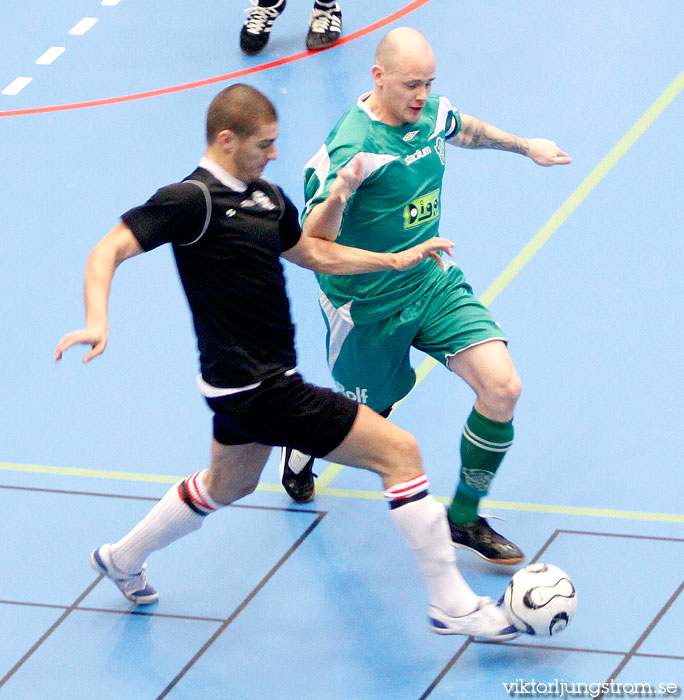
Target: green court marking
559 217
323 490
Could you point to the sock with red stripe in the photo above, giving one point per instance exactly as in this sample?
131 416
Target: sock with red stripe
181 511
423 523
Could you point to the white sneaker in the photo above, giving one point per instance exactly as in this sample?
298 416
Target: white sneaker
133 586
487 621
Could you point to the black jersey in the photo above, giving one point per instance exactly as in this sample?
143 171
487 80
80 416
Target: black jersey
227 246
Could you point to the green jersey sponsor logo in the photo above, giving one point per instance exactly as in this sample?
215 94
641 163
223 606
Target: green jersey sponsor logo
422 209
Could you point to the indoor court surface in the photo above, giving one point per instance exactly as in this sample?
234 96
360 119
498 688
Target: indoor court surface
581 265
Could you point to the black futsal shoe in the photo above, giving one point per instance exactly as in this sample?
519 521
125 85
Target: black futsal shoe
299 485
325 27
257 27
481 538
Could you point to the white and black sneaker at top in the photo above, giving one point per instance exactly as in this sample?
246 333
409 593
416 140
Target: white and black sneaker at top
257 27
325 26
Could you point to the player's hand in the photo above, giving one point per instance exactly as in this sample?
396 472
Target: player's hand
95 337
348 179
546 153
428 249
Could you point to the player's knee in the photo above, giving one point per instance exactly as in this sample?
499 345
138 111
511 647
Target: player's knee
503 393
513 389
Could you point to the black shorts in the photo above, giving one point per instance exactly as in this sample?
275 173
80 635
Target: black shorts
284 411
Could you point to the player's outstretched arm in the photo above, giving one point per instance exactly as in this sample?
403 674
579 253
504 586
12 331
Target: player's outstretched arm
118 245
327 257
476 133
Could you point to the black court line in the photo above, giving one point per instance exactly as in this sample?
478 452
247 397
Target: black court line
50 630
659 656
79 493
446 669
153 498
113 611
611 652
241 607
626 537
545 546
145 613
633 652
34 605
548 647
75 605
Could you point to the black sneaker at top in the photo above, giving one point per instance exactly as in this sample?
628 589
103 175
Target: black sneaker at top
325 27
257 27
482 539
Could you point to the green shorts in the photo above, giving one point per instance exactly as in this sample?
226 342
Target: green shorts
370 362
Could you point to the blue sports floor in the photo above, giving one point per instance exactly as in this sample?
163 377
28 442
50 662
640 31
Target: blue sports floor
581 264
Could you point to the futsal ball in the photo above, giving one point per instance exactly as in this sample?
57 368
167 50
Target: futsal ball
540 599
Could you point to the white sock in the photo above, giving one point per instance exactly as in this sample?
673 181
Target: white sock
423 522
181 511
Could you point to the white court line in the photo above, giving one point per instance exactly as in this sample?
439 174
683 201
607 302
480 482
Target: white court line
52 54
83 26
16 86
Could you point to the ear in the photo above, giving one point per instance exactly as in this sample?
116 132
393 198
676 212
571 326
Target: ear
378 75
225 140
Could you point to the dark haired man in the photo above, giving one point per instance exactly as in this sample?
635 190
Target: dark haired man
228 228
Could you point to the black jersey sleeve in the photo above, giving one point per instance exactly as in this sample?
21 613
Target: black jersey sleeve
290 230
177 213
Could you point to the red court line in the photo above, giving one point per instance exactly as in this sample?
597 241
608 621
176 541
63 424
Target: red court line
219 78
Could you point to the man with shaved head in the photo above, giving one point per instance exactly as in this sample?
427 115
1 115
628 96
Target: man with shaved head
400 131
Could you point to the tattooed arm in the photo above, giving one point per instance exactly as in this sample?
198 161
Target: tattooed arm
475 133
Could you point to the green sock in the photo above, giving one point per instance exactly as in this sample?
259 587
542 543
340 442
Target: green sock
483 446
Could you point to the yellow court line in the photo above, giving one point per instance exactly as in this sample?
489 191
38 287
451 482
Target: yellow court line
587 185
572 202
528 507
562 213
324 490
328 475
89 473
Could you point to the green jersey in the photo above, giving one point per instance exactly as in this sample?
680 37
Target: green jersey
396 206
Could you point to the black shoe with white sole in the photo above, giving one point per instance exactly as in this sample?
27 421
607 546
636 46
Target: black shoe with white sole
482 539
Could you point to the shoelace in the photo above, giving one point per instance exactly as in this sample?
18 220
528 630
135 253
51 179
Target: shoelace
260 18
325 21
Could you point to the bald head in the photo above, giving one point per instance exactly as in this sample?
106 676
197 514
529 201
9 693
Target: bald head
403 73
402 46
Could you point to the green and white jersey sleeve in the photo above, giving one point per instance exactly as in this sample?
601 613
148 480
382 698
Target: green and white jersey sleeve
396 206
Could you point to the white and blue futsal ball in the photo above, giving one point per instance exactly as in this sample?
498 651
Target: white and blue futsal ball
540 600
